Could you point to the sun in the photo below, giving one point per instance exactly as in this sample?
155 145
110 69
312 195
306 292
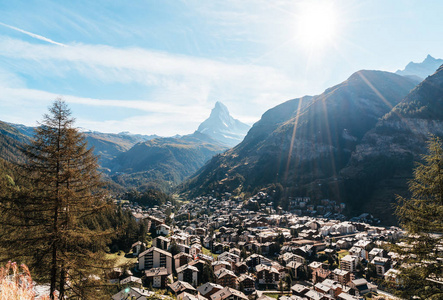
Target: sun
317 24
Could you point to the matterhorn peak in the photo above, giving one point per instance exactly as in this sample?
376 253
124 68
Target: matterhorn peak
222 127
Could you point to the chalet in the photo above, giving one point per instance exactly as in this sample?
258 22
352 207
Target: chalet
256 259
376 252
162 229
241 268
201 232
179 287
226 277
207 242
247 283
265 297
334 287
207 258
217 265
199 264
319 271
155 258
228 294
114 275
181 259
208 289
235 251
286 257
131 281
304 251
157 277
293 267
161 242
346 296
138 217
133 293
267 275
319 287
190 230
217 248
137 248
188 274
361 286
184 248
155 221
195 249
299 290
187 296
314 295
179 239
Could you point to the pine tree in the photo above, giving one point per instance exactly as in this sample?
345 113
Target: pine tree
421 215
50 223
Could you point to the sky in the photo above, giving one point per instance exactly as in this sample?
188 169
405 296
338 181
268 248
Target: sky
158 67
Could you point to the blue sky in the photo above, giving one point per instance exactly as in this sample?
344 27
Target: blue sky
158 67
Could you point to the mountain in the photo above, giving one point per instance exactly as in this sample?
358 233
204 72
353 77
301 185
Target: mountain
423 69
11 140
163 162
222 127
106 145
134 161
382 163
304 143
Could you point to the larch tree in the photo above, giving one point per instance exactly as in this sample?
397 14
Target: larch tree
421 215
50 222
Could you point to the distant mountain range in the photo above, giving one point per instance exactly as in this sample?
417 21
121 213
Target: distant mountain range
423 69
134 160
10 141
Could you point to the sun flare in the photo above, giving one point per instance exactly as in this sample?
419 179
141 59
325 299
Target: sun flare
316 24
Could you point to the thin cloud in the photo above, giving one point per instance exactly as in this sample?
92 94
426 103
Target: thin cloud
155 117
36 36
166 77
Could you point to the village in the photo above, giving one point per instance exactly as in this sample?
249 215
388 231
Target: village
226 248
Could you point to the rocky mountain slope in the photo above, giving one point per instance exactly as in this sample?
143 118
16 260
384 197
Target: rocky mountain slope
304 143
382 163
423 69
11 140
222 127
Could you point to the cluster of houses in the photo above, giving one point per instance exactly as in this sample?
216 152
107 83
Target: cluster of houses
218 249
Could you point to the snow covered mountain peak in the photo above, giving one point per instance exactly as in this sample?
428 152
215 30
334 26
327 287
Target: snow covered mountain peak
222 127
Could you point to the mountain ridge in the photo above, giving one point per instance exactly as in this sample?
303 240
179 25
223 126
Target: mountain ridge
421 70
383 162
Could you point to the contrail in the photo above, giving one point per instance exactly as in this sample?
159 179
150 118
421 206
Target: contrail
39 37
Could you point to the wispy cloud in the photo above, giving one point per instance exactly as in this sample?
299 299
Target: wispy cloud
152 116
36 36
171 78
